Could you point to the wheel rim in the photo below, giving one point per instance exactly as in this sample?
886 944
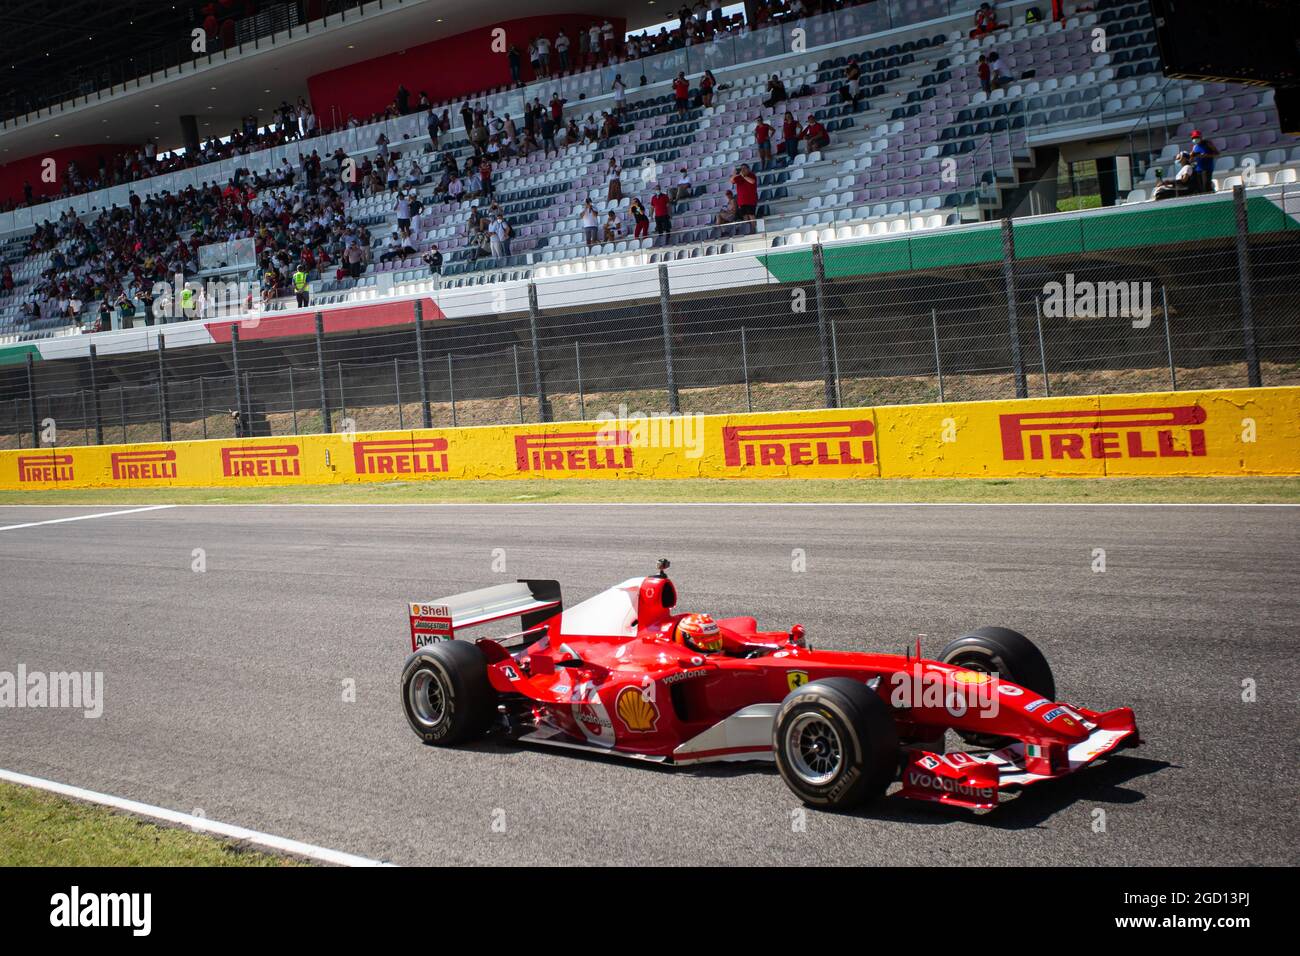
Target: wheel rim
814 749
426 697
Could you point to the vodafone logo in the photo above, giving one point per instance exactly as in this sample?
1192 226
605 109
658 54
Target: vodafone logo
926 781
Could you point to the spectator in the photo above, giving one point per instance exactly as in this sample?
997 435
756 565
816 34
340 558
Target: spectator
403 209
763 131
614 173
516 61
620 92
590 224
775 92
1203 156
661 205
998 79
708 83
682 93
301 290
986 20
682 191
613 228
815 134
562 48
746 184
791 133
851 91
985 74
639 217
433 259
1183 183
543 56
730 211
500 234
402 99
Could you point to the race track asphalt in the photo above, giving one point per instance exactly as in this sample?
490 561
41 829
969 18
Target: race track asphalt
224 688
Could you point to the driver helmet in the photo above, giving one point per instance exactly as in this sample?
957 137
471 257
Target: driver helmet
699 632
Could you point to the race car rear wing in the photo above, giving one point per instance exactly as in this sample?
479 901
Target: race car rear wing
532 600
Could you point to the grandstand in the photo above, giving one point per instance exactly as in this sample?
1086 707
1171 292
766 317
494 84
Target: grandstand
927 147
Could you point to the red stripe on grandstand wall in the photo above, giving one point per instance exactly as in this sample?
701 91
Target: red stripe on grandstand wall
446 68
379 315
17 171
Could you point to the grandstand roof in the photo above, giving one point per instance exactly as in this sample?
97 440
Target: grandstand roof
29 29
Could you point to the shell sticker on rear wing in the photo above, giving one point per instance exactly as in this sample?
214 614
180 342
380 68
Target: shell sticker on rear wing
531 600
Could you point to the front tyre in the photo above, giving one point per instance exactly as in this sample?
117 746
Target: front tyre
1009 655
446 693
835 743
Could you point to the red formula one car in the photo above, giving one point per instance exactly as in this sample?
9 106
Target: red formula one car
623 674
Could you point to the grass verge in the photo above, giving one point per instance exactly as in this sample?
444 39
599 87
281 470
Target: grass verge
42 829
1269 490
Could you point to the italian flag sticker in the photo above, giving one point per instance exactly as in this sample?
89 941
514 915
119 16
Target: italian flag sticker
1035 750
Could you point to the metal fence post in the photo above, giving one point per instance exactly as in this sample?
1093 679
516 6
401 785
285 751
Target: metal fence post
94 398
1042 348
121 408
426 418
234 358
543 414
343 401
326 426
203 408
451 389
293 401
938 362
829 375
397 388
835 363
31 401
1244 286
1169 341
164 420
519 386
666 313
1013 311
248 407
577 363
744 367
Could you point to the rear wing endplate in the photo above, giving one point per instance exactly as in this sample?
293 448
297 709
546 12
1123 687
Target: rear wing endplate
533 601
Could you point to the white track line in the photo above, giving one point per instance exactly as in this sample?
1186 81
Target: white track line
698 504
102 514
228 830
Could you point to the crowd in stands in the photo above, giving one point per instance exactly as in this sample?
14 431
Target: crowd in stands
295 217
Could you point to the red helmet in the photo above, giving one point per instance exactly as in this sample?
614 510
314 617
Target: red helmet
699 632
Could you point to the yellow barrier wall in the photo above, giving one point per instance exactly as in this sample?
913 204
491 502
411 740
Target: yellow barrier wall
1226 432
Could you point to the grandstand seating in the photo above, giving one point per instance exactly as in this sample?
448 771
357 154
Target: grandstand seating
926 147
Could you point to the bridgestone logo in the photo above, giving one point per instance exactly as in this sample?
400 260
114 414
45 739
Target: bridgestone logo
798 444
1104 433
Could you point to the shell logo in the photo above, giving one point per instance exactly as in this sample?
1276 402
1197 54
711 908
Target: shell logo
637 713
970 677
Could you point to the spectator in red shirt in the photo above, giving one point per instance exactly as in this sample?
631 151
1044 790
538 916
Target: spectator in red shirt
661 206
707 83
816 135
682 90
746 184
763 131
790 135
985 74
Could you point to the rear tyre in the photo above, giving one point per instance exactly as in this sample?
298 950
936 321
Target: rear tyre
835 743
446 693
1008 654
